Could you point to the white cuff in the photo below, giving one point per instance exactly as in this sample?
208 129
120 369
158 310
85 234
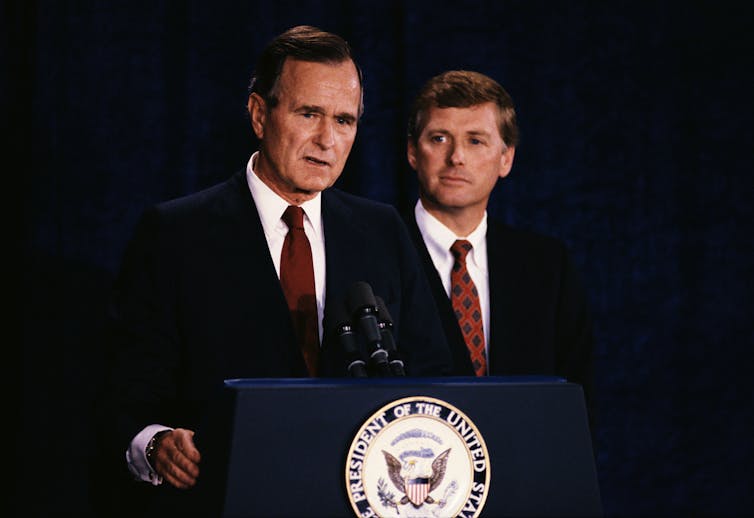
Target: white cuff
136 455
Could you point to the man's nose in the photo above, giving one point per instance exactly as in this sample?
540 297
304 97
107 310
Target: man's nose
456 155
325 137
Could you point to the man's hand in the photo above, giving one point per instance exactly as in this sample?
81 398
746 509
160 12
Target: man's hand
176 459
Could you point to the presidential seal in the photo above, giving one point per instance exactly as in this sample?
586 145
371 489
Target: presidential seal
416 457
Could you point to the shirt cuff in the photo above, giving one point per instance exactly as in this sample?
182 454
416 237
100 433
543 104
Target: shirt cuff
136 455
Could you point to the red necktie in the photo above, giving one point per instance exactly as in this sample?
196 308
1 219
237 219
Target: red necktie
465 300
297 280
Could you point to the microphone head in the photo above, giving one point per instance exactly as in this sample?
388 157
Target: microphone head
336 316
360 296
382 311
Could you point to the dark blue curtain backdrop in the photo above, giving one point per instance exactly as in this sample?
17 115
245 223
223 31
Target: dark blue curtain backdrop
636 149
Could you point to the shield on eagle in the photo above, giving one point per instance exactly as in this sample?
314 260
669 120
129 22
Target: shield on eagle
417 490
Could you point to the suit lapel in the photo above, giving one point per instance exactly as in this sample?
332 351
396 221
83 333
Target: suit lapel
461 360
258 281
340 247
343 264
503 271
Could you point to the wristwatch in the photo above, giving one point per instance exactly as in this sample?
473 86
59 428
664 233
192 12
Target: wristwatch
152 446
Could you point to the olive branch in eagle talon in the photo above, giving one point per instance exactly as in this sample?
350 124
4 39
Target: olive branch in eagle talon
386 498
438 473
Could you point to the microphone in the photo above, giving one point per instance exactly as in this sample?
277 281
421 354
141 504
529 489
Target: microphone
385 323
356 366
363 307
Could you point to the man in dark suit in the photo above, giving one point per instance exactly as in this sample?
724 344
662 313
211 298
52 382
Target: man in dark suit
202 294
531 315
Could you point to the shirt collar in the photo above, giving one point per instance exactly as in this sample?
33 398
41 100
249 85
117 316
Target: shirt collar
440 238
271 206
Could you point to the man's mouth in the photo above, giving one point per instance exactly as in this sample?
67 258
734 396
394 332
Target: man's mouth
453 179
316 161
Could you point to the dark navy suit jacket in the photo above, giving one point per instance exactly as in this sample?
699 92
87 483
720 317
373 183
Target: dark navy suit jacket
198 301
540 322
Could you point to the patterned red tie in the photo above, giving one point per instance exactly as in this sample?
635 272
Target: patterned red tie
297 280
465 300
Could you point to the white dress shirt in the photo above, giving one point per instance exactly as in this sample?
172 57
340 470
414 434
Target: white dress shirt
270 207
438 238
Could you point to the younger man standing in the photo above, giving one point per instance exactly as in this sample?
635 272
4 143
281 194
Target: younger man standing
511 301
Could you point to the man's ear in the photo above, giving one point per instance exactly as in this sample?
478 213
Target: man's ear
506 161
257 114
411 153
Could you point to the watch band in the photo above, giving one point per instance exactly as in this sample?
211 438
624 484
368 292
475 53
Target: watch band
152 446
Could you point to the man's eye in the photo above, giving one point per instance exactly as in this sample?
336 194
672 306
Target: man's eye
475 141
438 138
308 115
342 121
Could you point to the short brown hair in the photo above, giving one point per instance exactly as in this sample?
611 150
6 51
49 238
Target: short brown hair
304 43
462 89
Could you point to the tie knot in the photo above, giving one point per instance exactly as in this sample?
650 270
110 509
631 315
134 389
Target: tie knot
294 217
460 249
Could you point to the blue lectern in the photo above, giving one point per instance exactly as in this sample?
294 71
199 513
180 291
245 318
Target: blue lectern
280 447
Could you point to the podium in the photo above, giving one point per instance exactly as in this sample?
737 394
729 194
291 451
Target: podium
285 445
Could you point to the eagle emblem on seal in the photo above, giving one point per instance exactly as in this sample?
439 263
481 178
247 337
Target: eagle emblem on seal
416 487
